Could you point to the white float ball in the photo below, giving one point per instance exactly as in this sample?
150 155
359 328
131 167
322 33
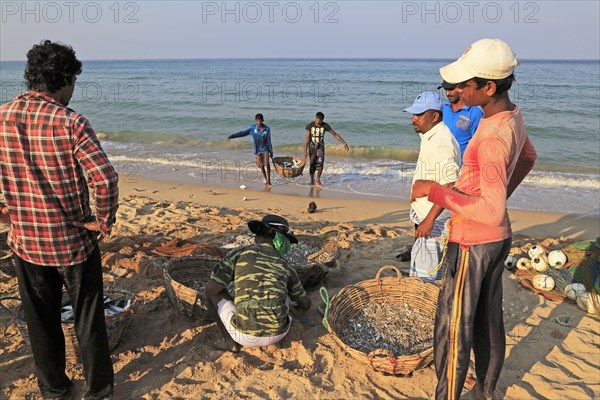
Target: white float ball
573 290
543 282
557 259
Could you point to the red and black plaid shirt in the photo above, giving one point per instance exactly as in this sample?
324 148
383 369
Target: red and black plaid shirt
47 151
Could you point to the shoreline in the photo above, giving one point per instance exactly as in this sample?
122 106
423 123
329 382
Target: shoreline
344 209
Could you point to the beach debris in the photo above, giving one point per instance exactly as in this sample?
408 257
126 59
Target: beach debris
312 207
536 250
540 263
543 282
111 307
244 198
573 290
396 328
557 259
242 187
524 264
563 320
510 263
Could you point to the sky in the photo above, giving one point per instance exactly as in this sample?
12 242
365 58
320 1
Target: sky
299 29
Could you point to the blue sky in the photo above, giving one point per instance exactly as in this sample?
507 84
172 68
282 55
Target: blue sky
300 29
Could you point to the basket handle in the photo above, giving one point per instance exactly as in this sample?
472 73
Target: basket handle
387 354
8 310
378 276
325 297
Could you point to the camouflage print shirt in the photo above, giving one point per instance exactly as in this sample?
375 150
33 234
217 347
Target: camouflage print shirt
262 282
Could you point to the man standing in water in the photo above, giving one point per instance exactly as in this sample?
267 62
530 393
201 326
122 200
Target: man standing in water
314 145
496 161
263 149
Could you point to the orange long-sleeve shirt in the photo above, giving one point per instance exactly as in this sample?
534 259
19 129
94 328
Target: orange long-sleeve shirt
495 162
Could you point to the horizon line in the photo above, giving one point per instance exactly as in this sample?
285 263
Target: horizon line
306 59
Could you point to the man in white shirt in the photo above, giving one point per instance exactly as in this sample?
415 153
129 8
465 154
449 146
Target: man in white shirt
439 159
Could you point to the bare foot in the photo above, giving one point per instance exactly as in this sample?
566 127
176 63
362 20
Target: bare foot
312 182
272 348
319 183
268 183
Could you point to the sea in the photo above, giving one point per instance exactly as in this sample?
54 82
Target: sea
168 120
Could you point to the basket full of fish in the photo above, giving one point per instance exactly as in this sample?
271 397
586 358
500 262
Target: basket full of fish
289 167
119 306
386 322
312 257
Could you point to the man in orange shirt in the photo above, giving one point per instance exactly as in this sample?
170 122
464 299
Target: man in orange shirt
498 158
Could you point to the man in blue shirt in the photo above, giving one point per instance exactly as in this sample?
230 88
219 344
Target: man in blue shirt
263 149
461 119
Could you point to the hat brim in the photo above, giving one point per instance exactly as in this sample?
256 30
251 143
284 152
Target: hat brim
416 109
259 228
456 72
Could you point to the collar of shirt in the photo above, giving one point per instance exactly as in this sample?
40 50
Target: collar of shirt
430 133
32 94
448 106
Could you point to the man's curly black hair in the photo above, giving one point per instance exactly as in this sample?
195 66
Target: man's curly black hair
51 66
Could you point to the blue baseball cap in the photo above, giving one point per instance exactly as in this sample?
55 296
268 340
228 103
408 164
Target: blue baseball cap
425 101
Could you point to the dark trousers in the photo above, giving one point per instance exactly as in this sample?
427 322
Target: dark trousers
40 288
469 315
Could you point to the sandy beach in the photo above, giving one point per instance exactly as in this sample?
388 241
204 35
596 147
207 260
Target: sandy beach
165 355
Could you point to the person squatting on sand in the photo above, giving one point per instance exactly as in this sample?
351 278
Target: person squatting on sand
48 151
259 314
314 145
263 149
439 156
497 159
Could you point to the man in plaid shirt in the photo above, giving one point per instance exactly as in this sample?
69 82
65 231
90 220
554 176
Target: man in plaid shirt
49 157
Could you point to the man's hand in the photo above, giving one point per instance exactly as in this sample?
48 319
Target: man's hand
346 147
420 189
4 217
424 228
89 225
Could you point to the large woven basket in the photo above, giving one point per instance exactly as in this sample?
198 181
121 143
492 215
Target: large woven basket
179 275
320 262
288 172
115 324
419 296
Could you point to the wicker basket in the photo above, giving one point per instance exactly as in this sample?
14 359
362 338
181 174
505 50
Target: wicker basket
179 274
419 296
115 324
288 172
320 262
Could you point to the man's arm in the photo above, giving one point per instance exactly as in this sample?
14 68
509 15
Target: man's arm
269 144
490 206
306 141
240 134
102 178
339 138
524 165
425 226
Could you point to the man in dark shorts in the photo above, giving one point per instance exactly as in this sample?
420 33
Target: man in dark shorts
314 145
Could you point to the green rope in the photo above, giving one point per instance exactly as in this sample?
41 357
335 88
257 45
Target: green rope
325 297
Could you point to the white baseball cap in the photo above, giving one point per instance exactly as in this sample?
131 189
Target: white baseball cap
486 58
